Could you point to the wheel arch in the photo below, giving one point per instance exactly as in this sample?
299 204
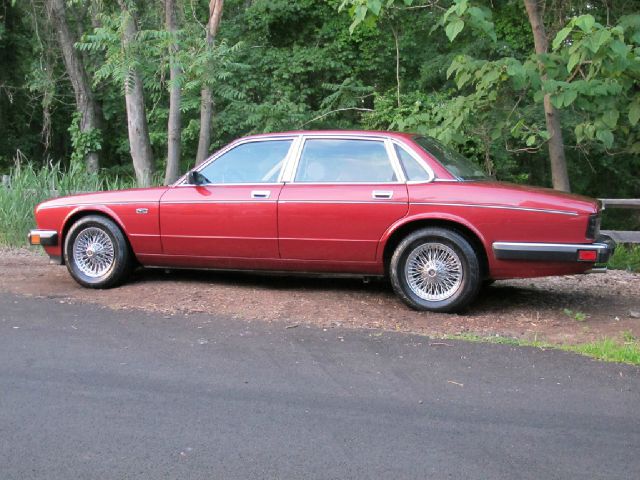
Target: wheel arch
397 232
79 213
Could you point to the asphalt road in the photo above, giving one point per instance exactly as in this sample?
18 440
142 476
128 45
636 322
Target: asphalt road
86 392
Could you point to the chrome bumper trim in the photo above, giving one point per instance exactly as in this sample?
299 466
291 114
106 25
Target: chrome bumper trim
46 238
597 270
554 252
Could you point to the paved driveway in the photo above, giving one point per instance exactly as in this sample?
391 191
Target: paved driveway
86 392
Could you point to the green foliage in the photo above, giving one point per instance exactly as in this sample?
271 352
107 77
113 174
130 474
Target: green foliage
606 349
609 350
281 65
31 184
577 316
626 257
85 142
492 105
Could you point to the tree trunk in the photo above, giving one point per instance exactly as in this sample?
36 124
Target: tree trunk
85 100
559 175
139 142
206 97
174 126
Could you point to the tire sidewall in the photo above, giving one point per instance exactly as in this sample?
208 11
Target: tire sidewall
120 247
468 260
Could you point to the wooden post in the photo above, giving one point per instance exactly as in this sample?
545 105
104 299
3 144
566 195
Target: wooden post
6 181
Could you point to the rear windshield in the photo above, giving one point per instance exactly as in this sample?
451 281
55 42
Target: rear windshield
457 165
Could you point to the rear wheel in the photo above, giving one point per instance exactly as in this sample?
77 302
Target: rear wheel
435 269
96 252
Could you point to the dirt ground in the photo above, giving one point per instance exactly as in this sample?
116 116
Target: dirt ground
529 309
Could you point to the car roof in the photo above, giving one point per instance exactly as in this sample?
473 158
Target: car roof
359 133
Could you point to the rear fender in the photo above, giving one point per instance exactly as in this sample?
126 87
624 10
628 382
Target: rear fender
422 217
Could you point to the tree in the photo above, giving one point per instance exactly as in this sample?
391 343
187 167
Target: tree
559 175
509 90
85 100
137 125
174 126
206 106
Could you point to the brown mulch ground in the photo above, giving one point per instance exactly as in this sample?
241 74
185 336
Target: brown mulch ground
529 309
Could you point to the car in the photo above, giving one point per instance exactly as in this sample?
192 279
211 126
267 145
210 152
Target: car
368 203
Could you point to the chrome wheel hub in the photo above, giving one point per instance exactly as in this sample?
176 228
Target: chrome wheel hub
434 272
93 252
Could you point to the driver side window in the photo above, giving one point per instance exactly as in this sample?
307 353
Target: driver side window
251 162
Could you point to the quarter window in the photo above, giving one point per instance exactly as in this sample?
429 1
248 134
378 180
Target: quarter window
412 169
344 161
252 162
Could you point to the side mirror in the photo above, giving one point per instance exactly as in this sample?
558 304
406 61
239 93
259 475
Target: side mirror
196 178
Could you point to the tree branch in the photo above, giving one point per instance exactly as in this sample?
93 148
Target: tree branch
336 111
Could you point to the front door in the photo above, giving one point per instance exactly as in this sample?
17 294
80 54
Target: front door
234 214
345 194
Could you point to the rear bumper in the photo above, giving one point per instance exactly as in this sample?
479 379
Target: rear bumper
598 252
46 238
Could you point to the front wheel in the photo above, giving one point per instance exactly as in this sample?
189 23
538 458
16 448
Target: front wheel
97 253
435 269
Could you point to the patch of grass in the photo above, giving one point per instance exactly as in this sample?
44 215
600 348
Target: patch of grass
577 316
626 257
31 185
607 350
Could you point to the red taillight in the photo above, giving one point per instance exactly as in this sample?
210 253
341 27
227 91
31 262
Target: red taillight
587 255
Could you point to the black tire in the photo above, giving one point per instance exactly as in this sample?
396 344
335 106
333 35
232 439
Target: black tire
113 254
459 288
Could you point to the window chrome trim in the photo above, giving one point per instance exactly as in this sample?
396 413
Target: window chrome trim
421 162
288 173
292 159
181 182
395 161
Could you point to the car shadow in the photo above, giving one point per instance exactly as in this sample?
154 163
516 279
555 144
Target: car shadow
500 296
266 280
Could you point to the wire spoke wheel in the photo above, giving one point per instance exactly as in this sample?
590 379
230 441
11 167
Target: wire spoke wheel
93 252
434 272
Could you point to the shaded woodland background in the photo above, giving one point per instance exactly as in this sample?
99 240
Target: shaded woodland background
146 88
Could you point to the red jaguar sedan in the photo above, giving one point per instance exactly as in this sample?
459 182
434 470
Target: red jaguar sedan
357 202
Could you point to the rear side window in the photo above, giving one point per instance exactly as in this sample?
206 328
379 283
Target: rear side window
252 162
412 169
344 161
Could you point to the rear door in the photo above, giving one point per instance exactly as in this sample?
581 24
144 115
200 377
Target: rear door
344 194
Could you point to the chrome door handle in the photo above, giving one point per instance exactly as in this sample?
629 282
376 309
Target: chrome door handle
260 193
382 194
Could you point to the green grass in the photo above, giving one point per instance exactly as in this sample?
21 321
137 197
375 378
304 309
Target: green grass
31 185
627 257
607 350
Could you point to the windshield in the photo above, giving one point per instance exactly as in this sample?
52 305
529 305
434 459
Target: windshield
459 166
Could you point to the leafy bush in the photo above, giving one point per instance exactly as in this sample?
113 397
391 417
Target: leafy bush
627 257
31 185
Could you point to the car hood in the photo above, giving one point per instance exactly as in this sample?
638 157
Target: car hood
134 195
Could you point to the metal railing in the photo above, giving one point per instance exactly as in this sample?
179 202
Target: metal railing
622 236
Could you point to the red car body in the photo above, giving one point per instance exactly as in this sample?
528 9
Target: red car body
348 227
